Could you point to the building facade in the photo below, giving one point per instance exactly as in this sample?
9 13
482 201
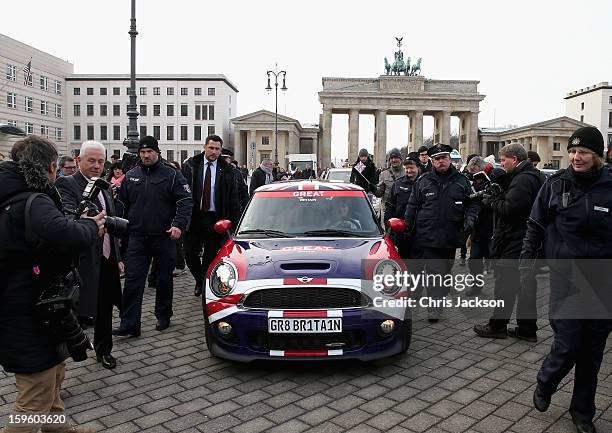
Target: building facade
35 102
592 105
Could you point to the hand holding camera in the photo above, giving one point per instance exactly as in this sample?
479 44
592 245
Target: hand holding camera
99 219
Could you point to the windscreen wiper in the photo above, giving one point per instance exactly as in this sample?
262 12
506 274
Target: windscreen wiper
330 232
269 233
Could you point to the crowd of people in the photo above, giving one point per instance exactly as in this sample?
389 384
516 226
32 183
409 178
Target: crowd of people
510 215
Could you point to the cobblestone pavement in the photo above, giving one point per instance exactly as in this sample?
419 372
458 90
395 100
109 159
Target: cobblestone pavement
449 381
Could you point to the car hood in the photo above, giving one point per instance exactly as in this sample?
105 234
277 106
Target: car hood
312 257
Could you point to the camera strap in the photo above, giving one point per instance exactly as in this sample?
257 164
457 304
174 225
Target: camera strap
29 196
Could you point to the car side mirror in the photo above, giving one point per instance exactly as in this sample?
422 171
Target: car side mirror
396 224
222 226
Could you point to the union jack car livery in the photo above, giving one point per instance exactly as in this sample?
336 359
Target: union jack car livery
294 279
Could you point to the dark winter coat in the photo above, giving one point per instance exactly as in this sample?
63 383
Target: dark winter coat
155 198
483 229
25 345
368 178
438 208
398 199
258 178
227 199
71 191
512 208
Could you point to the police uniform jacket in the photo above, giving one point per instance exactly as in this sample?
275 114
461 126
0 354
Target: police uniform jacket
155 198
398 198
438 207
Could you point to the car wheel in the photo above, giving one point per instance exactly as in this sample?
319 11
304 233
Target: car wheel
208 334
406 335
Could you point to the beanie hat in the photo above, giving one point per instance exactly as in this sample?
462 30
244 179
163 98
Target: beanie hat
363 152
149 142
395 153
588 137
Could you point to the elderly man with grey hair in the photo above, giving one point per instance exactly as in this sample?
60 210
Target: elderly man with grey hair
520 185
101 265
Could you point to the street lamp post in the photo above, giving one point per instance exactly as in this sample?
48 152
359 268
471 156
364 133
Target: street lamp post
276 73
131 142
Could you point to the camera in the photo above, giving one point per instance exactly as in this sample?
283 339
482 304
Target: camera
490 188
114 225
56 305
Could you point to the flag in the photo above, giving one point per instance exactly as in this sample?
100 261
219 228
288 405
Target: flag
360 167
27 73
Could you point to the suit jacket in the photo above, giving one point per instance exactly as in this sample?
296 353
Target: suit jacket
71 191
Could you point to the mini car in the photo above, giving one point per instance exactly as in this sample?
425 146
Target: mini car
295 279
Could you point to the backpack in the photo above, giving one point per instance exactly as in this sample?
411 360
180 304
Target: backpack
29 196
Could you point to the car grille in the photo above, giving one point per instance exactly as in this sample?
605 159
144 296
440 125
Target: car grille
262 340
305 297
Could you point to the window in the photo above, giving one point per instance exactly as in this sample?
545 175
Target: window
170 132
264 156
211 112
170 155
143 91
170 110
103 133
211 91
143 131
556 146
76 91
184 91
127 91
90 132
117 152
265 139
183 156
58 110
156 91
609 140
201 112
11 100
116 110
184 109
58 89
610 101
156 132
170 91
610 119
103 91
89 91
116 91
29 128
197 91
76 110
28 80
211 129
11 72
44 108
184 132
582 118
156 110
12 122
29 103
197 133
582 105
77 133
116 132
90 109
44 83
44 130
103 110
143 110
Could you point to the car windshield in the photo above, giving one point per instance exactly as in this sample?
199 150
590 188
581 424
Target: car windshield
340 175
308 213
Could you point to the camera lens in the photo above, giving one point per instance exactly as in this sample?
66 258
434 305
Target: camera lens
116 226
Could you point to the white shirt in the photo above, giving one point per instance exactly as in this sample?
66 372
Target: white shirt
213 179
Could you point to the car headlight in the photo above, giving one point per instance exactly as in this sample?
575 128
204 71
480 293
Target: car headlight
223 279
382 269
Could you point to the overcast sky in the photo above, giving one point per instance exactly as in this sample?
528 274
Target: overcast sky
526 54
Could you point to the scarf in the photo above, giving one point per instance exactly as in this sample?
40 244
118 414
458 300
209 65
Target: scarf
267 171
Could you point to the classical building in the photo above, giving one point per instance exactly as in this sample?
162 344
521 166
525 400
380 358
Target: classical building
35 102
254 137
592 105
180 110
549 138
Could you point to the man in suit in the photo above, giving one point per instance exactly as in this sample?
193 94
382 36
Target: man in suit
215 197
101 265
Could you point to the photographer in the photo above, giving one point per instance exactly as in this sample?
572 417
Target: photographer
520 185
101 264
36 249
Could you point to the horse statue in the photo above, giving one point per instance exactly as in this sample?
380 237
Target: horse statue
398 65
416 68
407 68
387 67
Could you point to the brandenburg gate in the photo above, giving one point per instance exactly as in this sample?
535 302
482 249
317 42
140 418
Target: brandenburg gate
410 95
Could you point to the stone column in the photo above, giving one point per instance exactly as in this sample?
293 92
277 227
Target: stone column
472 134
444 124
416 130
294 143
325 154
252 162
238 151
353 134
380 152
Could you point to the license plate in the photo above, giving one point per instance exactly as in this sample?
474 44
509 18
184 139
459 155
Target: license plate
278 325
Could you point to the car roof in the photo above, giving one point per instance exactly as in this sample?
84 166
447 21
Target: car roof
340 169
309 185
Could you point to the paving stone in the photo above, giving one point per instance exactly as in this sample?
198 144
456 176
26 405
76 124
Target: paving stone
421 422
318 416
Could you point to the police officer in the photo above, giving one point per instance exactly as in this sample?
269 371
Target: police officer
388 177
571 218
439 211
396 208
157 201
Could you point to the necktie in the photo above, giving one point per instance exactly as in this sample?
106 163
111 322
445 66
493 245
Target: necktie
106 245
206 191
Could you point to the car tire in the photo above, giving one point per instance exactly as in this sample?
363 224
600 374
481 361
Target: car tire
406 335
208 334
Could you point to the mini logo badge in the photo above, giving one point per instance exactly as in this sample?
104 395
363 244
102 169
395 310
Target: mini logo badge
576 141
305 279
